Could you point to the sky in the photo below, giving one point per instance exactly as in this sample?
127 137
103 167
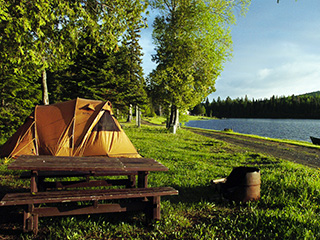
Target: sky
276 51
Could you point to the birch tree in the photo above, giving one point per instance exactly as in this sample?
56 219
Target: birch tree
193 41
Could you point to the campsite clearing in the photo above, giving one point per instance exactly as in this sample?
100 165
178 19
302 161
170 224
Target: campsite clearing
288 208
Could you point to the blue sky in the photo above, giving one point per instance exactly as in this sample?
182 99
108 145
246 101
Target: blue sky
276 51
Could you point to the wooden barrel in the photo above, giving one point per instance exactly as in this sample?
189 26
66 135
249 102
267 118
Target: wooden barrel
243 184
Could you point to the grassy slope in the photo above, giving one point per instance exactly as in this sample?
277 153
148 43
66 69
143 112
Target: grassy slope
288 209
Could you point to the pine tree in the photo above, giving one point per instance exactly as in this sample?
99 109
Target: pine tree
19 94
134 86
115 75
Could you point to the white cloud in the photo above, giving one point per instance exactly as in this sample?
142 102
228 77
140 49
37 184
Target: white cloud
264 73
293 72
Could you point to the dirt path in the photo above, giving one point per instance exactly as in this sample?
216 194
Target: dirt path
299 154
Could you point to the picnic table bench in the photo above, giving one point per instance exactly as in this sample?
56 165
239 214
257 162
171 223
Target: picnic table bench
39 203
151 207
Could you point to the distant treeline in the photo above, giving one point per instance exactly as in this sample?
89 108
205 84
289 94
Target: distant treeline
302 106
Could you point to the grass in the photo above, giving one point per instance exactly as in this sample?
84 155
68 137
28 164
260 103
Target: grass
288 208
290 141
183 119
156 120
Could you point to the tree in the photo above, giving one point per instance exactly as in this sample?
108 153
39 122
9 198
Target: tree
91 75
18 94
134 90
192 42
46 32
207 108
199 109
99 75
43 36
114 74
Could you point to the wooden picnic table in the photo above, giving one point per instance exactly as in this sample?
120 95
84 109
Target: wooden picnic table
36 203
92 165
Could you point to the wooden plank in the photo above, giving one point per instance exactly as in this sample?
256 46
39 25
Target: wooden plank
56 163
61 174
83 195
143 164
82 184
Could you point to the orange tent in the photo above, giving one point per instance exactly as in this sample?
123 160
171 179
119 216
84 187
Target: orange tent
78 127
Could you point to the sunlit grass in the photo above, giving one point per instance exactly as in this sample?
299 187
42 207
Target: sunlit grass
183 119
288 208
231 132
156 120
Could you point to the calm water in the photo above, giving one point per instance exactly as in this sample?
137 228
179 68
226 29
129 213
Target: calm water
296 129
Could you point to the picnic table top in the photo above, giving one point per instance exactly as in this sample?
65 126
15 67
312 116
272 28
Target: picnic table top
62 163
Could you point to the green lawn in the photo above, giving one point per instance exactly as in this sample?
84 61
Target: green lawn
183 118
288 208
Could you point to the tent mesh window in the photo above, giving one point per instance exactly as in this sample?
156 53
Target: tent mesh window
106 123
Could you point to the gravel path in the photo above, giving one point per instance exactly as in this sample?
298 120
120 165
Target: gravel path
295 153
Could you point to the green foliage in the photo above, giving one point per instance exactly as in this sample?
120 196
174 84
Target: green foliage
131 64
90 76
312 94
76 43
107 74
46 32
18 94
192 41
101 75
303 106
198 110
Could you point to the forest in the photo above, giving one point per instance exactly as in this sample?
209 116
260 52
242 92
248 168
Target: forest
306 106
52 51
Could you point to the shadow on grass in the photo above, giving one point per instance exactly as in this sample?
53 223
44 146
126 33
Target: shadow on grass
10 222
11 218
196 194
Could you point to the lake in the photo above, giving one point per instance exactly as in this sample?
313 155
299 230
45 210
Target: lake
295 129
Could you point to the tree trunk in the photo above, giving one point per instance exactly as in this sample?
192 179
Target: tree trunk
45 94
138 116
129 119
173 123
176 124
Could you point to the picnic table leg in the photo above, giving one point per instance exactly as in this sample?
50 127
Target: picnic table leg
27 226
131 181
143 179
34 181
30 220
156 208
153 209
